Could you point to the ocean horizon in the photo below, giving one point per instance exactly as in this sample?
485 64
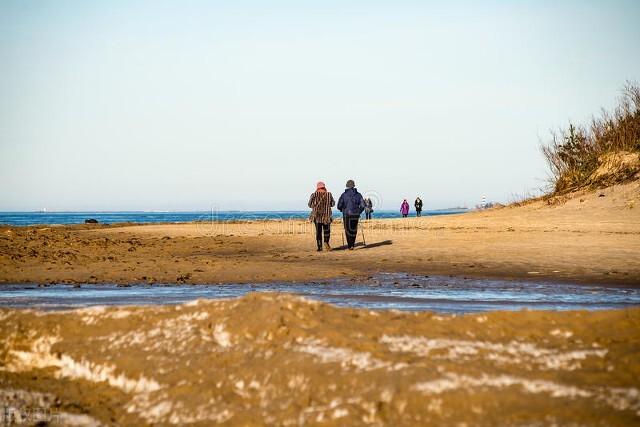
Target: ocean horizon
26 218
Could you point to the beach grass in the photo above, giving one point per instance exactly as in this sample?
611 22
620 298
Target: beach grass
601 153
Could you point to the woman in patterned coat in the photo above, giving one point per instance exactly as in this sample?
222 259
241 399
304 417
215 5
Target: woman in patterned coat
321 202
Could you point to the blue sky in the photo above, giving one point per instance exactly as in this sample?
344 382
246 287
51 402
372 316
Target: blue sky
245 105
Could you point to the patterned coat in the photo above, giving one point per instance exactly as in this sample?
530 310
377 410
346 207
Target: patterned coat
321 203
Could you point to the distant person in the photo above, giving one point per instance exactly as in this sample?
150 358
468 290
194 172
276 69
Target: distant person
418 206
321 202
368 208
351 204
404 208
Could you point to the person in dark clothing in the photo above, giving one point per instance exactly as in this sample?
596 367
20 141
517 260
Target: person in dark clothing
321 202
351 204
368 208
418 206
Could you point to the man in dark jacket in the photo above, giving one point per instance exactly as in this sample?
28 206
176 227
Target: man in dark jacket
418 206
351 204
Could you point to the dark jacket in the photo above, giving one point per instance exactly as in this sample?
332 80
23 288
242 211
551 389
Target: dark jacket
418 204
368 205
351 202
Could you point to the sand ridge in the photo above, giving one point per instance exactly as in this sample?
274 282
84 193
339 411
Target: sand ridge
277 359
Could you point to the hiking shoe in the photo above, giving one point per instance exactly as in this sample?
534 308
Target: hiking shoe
351 248
327 247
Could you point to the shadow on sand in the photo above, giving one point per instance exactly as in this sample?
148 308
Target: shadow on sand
361 245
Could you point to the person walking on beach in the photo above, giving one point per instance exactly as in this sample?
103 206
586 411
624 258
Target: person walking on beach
321 202
404 208
368 208
351 204
418 206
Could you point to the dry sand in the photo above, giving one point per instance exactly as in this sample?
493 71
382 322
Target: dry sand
587 238
275 359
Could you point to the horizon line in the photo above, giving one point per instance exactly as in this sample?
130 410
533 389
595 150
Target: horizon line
198 211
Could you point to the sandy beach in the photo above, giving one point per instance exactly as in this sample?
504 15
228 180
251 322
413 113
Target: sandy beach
589 237
279 359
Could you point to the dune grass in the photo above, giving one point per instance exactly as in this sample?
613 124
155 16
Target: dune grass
604 152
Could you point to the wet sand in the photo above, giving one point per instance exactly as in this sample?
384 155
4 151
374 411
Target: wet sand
275 359
441 294
588 238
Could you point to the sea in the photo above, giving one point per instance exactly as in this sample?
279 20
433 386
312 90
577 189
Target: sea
56 218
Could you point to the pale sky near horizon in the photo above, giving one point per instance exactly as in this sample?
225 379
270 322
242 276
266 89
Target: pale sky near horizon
189 105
